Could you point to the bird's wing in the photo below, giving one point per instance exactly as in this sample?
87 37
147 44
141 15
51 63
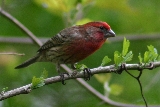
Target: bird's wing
52 42
62 38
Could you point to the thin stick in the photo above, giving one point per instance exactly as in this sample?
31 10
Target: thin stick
19 54
20 25
26 40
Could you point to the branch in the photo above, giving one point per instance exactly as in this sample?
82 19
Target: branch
107 69
20 25
19 54
23 40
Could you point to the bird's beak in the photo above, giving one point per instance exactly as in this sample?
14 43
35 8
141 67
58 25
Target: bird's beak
110 33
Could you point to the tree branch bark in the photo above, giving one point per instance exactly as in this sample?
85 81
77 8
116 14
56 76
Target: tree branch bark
26 40
107 69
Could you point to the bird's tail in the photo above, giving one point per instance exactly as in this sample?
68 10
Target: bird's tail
28 62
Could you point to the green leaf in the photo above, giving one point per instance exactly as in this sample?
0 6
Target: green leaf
80 66
39 82
153 55
128 57
140 58
117 58
125 56
105 61
126 45
146 57
150 48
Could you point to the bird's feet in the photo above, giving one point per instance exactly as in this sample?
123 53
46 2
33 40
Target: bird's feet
122 67
62 77
87 74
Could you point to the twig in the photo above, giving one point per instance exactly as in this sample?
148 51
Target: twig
23 40
19 54
20 25
138 80
107 69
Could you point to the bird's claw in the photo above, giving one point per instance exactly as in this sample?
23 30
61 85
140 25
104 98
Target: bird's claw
87 72
122 67
62 77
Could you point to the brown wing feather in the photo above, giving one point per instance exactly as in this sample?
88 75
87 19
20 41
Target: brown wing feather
52 42
61 38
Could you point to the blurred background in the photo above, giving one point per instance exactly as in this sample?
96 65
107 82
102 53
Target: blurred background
132 19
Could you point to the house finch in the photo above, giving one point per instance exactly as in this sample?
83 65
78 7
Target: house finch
72 44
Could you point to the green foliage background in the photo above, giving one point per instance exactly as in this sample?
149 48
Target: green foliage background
45 18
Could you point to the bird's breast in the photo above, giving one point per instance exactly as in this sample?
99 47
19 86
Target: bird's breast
80 50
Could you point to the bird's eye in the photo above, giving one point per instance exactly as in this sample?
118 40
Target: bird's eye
101 27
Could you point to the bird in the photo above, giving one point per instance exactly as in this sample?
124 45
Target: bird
72 44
